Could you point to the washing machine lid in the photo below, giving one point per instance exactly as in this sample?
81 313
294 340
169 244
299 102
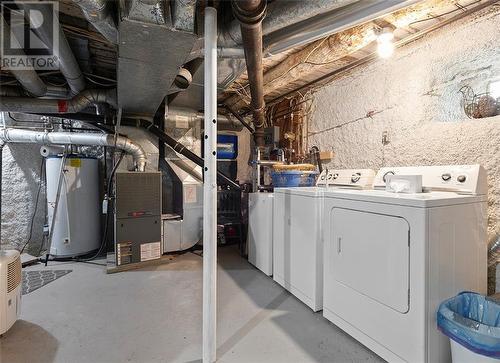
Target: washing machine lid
422 200
305 191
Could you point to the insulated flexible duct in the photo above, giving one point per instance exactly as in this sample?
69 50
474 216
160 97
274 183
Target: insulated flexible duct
72 138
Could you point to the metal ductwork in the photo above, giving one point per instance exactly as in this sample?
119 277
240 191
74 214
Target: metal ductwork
281 14
73 138
146 66
185 118
250 14
177 147
320 26
289 24
58 106
28 78
98 13
67 61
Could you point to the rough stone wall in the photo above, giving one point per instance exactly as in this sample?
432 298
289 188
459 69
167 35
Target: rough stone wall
20 182
414 97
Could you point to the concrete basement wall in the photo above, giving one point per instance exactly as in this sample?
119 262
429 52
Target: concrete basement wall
414 97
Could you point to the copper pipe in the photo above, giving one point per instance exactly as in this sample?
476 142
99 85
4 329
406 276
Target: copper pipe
250 14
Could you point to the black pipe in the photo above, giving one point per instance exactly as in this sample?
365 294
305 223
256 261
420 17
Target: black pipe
315 151
178 147
158 119
239 118
250 14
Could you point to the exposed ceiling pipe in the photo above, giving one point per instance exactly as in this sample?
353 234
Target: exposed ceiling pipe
179 117
321 26
29 79
250 14
67 61
281 14
58 106
98 13
73 138
362 61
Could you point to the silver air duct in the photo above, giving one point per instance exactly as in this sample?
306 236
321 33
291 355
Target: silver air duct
72 138
28 78
67 61
97 13
57 106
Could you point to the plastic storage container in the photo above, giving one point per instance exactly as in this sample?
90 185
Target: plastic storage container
294 178
472 322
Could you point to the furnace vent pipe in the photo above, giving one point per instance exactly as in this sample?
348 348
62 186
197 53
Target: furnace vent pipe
71 138
55 106
250 14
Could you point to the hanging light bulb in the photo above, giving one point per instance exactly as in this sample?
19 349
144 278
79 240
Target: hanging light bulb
385 44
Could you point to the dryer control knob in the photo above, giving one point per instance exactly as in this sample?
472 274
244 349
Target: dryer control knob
355 177
446 176
461 178
335 176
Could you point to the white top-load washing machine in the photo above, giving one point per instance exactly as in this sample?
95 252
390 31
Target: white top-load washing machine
391 258
297 232
260 231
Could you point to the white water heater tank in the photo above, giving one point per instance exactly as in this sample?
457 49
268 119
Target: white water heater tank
77 221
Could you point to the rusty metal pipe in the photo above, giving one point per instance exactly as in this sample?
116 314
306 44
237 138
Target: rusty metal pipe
250 14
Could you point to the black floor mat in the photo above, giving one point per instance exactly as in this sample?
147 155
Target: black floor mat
33 280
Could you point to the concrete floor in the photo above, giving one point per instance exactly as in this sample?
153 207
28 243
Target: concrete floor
154 315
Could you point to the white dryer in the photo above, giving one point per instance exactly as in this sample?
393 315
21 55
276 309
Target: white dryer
391 258
297 233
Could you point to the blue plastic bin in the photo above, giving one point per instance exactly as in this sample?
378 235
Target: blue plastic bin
473 321
294 178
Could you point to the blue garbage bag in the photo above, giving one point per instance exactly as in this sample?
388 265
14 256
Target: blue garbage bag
473 321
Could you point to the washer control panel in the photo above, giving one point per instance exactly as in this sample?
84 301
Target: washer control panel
356 178
464 179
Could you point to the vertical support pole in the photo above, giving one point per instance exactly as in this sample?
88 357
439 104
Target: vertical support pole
210 191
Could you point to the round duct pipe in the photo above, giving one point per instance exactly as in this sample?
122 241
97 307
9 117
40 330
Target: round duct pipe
183 78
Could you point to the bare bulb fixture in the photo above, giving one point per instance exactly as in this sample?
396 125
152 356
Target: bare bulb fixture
385 42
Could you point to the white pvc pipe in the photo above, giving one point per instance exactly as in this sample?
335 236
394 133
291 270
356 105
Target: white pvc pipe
210 191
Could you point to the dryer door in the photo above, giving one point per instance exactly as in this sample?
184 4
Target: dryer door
371 255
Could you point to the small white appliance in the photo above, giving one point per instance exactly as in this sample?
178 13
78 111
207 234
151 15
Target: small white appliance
260 231
391 258
297 232
10 288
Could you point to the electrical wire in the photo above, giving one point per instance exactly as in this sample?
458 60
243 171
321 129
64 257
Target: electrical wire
105 232
42 164
434 17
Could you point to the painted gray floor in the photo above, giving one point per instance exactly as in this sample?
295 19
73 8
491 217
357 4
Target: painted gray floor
154 315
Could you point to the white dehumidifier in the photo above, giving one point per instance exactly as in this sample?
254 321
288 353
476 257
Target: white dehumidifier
10 288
